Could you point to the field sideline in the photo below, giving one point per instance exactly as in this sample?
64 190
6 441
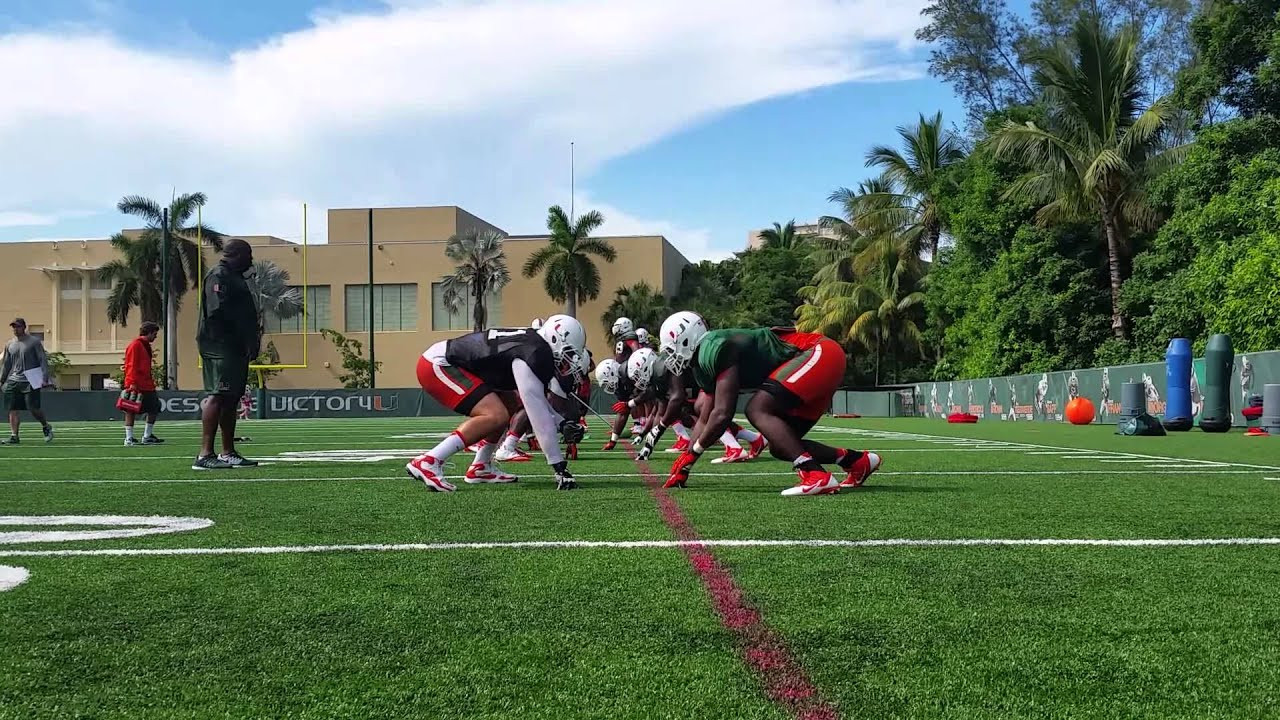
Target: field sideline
999 569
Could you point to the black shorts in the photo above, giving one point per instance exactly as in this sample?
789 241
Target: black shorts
150 403
20 396
225 377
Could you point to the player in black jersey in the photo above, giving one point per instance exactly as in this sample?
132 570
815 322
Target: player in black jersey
482 374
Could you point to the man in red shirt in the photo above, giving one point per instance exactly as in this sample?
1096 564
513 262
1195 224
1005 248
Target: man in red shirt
138 378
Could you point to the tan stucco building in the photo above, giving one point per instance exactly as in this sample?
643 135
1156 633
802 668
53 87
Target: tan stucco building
55 287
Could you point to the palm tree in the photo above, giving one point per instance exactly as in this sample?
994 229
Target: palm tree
866 238
480 269
908 190
877 311
138 273
645 307
569 274
1097 147
781 236
272 293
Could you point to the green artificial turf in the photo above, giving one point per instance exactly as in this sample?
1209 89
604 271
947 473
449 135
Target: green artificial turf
1038 632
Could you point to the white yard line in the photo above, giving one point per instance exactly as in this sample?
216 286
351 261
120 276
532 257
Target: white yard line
229 476
645 544
1095 454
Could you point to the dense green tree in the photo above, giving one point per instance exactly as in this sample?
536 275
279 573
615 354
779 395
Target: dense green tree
1213 266
1097 147
1237 58
645 307
1011 296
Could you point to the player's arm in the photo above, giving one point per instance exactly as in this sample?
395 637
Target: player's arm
718 413
533 393
676 398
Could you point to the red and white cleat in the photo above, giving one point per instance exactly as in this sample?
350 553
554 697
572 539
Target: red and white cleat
475 446
814 482
757 446
681 445
861 469
430 472
480 474
516 455
732 455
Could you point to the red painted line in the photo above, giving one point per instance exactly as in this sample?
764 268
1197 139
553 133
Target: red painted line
761 647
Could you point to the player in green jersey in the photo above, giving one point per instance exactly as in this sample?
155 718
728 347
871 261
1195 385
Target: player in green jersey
795 373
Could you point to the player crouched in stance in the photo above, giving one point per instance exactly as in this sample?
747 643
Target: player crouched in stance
481 374
795 373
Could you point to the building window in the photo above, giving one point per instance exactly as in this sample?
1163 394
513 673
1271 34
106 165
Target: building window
442 319
395 307
318 315
70 286
99 287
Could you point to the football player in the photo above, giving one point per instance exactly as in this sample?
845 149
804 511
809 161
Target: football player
651 380
482 374
795 373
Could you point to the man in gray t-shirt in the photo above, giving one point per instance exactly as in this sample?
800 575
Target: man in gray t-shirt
24 359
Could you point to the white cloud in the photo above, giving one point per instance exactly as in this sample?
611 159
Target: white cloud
20 218
427 102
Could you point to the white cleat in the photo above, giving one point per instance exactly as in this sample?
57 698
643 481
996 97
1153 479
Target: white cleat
814 482
430 472
516 455
732 455
481 474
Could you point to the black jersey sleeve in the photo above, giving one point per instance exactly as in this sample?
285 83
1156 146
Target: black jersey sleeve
488 354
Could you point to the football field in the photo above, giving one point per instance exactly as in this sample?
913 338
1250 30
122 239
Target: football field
993 570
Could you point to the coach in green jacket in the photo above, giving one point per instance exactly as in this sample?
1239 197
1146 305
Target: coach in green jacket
229 338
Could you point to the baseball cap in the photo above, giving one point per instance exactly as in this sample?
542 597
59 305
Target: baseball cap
18 322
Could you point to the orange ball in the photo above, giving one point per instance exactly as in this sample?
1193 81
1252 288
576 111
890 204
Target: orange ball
1080 411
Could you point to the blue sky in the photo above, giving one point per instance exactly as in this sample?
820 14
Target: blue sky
699 122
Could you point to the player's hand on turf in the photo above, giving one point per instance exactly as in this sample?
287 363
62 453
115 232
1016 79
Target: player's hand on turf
610 445
680 469
564 478
572 451
572 432
645 452
620 407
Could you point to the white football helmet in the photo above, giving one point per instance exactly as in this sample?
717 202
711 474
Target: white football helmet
535 323
679 337
568 341
622 326
641 367
608 375
642 336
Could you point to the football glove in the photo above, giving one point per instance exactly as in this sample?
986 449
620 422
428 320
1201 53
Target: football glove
564 478
572 432
610 445
571 452
644 452
680 469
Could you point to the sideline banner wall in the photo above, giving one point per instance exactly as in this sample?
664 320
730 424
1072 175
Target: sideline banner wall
288 404
1044 396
